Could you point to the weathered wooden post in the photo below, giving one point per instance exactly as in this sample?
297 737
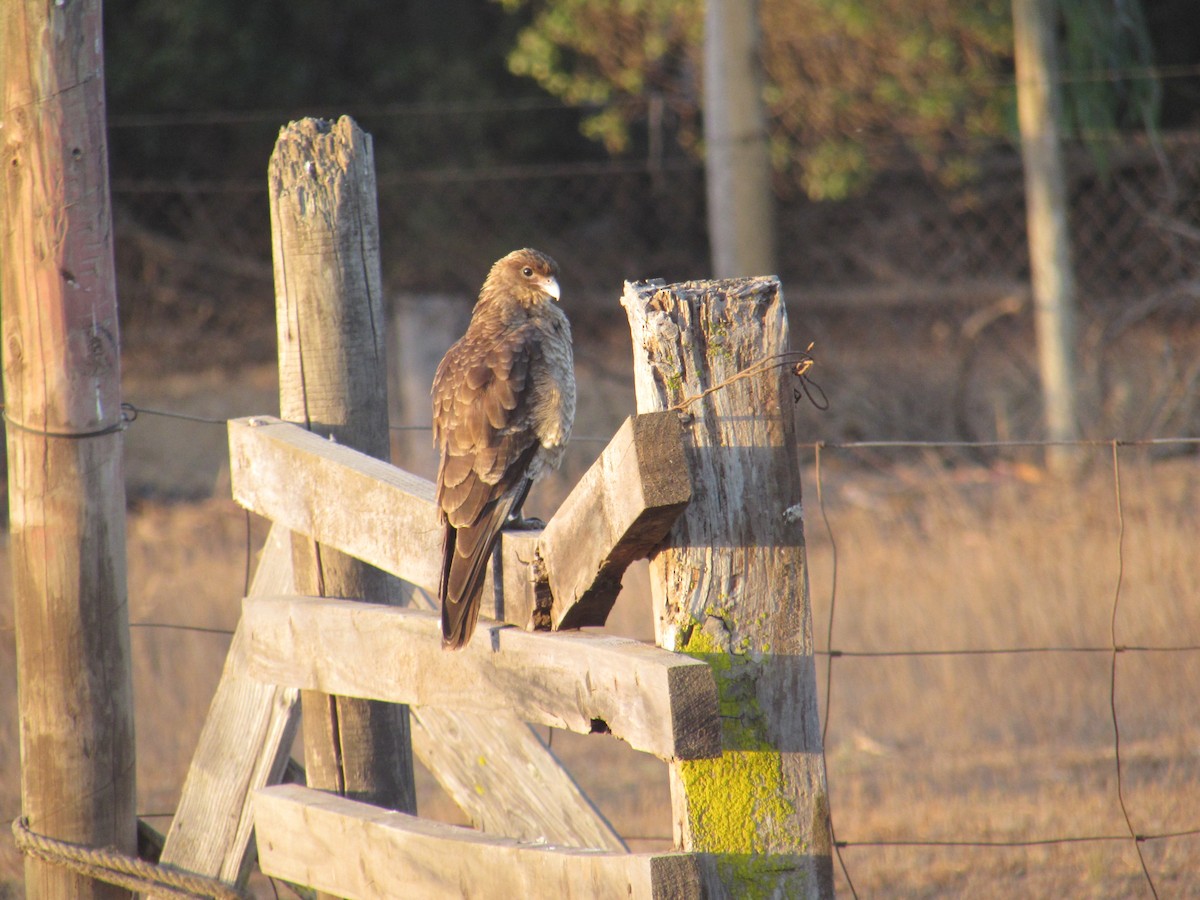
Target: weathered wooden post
730 585
63 394
333 379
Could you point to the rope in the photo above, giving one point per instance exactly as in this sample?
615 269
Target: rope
113 867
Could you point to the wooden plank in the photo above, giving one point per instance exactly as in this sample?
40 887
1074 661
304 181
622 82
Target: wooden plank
495 767
360 851
62 395
731 586
244 745
384 515
657 701
622 507
498 771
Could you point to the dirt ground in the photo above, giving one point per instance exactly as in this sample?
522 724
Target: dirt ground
908 550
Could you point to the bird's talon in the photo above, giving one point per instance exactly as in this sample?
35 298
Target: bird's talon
524 523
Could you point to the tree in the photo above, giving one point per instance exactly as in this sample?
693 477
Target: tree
848 81
1051 270
851 85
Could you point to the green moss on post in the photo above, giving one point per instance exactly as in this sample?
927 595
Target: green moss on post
730 583
738 806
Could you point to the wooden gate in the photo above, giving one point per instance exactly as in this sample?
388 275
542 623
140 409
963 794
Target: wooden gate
727 698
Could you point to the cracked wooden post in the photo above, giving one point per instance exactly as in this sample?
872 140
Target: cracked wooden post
730 585
333 380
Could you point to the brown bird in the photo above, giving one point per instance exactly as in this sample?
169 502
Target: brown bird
503 404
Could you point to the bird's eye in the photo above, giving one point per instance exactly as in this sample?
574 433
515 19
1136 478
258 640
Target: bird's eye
527 272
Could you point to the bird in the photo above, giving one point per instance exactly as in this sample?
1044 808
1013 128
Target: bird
503 407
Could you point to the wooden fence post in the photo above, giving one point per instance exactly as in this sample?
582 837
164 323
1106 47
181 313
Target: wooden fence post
333 379
62 388
730 585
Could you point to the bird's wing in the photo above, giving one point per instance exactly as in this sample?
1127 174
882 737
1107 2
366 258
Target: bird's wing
483 424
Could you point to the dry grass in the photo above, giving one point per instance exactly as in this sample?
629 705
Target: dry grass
929 556
1010 747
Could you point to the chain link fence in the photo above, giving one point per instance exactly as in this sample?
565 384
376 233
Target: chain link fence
913 285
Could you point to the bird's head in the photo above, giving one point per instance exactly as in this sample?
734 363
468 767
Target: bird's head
529 276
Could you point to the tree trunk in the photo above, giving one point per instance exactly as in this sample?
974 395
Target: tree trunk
62 386
741 214
730 586
1053 277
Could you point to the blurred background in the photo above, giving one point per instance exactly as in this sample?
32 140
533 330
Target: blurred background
983 589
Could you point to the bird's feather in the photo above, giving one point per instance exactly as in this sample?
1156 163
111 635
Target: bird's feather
503 400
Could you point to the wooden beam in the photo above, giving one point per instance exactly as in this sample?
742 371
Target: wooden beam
498 771
62 395
622 507
247 737
384 516
243 746
360 851
659 702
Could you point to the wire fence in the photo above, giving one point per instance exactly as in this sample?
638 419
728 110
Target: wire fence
197 244
910 267
1115 649
908 241
913 269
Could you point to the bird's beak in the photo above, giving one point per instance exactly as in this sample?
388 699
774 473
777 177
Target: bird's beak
550 286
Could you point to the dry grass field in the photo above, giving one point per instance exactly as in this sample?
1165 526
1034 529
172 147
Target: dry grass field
911 550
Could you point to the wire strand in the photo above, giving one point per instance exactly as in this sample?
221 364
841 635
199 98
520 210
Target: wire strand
829 663
1112 692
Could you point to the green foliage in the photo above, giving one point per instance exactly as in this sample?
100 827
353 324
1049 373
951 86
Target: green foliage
616 55
850 83
1107 82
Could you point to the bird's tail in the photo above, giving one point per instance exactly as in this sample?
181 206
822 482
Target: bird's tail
465 556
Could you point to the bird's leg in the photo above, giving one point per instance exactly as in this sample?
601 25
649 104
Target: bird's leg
515 521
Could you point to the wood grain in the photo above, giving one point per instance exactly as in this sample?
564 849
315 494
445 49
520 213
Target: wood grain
622 507
498 771
62 395
618 512
244 745
333 380
360 851
659 702
730 585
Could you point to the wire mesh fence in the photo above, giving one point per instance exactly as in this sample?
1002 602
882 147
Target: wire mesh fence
1135 219
912 265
